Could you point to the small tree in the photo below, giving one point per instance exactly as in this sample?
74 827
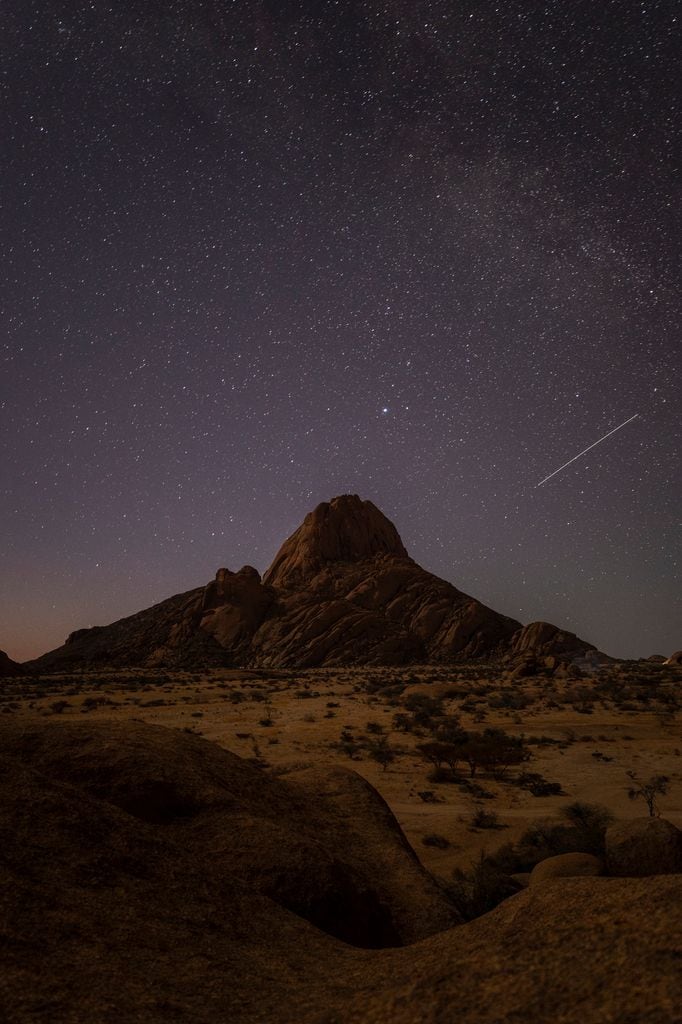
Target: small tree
379 750
648 791
439 754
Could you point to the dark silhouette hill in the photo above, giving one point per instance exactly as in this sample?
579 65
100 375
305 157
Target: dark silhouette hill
113 909
9 667
342 590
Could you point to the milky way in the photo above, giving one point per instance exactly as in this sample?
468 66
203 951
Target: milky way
258 254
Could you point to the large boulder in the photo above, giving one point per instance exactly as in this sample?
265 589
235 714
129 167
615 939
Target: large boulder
322 844
543 639
566 865
643 846
674 659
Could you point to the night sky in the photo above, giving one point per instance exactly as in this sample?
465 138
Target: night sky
258 254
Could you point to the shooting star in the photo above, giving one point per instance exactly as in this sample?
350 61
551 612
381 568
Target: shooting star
587 450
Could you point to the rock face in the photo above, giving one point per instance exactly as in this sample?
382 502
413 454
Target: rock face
566 865
642 847
342 590
674 659
345 529
9 667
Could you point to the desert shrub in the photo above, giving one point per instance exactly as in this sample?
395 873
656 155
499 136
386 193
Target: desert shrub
440 754
538 785
424 708
480 889
374 728
493 750
582 830
379 751
448 729
649 791
473 789
403 722
440 842
427 796
482 819
441 775
510 698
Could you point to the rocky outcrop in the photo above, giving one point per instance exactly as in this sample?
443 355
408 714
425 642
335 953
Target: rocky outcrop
642 847
674 659
342 590
9 667
542 639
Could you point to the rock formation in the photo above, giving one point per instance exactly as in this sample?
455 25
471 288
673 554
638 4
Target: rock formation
342 590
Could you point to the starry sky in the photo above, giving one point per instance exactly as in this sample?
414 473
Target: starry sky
256 254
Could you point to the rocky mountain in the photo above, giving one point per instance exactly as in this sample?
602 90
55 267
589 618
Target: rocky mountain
342 590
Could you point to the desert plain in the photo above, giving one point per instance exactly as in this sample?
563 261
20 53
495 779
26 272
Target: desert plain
585 735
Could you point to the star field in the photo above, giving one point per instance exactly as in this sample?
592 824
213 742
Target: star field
258 254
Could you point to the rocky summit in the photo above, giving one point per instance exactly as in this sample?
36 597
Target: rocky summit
342 590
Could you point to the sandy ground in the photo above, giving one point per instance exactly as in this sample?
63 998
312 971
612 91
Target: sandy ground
293 719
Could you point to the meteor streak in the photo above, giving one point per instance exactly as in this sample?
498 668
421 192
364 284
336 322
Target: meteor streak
587 450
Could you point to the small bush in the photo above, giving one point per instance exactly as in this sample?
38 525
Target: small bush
440 842
483 819
537 785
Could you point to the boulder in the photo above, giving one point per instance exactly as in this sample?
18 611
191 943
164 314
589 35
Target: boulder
566 865
322 843
642 847
674 659
543 639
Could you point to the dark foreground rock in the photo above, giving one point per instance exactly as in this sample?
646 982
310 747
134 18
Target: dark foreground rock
322 843
112 912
